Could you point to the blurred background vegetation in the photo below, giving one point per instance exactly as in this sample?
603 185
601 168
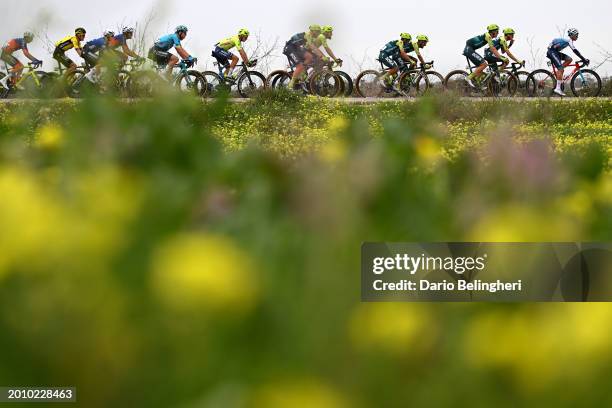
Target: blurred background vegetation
175 252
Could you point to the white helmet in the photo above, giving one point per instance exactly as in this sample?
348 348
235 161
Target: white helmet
572 32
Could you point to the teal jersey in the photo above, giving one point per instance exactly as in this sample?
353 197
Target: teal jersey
393 47
480 41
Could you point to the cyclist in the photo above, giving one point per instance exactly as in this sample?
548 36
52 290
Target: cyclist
66 44
159 52
415 46
223 55
298 54
561 60
392 56
92 52
503 45
6 55
315 43
477 42
127 33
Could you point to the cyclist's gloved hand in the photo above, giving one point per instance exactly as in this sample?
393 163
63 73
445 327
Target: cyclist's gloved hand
504 59
325 59
523 63
339 62
427 66
586 61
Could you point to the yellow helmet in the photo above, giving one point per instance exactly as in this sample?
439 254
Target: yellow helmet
405 36
492 27
422 37
315 27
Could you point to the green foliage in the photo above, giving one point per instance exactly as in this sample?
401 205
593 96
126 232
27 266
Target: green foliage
207 254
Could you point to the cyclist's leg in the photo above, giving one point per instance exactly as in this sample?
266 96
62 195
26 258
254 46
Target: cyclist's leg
61 57
476 59
172 62
15 64
303 57
559 61
233 64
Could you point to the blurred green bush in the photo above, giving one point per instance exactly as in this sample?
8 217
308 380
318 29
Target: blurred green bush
175 252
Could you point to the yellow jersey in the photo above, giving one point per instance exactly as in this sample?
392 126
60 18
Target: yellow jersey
68 43
312 42
230 43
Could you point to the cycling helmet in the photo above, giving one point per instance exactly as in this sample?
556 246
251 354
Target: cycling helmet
244 31
327 29
127 30
28 36
492 27
315 27
109 33
181 28
508 31
80 30
405 36
422 37
572 32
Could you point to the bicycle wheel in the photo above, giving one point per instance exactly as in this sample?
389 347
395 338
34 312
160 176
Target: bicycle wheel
521 78
456 82
504 85
368 84
143 84
273 78
434 83
191 82
325 84
540 83
213 84
346 83
413 84
250 83
586 83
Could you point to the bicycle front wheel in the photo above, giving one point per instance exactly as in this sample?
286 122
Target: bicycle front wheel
586 83
325 84
368 84
435 83
413 84
250 83
346 84
456 82
540 83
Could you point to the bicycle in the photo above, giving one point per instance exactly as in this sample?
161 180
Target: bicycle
493 83
583 82
33 83
248 82
521 77
147 82
370 84
318 78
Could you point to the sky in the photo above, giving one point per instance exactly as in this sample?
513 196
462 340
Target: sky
361 27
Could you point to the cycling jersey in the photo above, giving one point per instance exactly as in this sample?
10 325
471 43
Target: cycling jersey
298 40
68 43
413 46
95 45
167 42
14 45
500 44
559 44
479 41
393 47
230 42
315 42
117 41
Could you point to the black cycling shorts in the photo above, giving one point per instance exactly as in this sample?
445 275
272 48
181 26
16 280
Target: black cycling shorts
474 57
557 57
160 57
61 57
222 56
390 60
90 56
295 53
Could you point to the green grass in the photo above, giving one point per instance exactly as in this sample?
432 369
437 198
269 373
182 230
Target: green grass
211 250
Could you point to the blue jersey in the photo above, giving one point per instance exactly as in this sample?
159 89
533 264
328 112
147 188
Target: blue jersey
96 45
559 44
117 41
168 41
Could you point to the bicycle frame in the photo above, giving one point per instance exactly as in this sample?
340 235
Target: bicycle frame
29 71
577 68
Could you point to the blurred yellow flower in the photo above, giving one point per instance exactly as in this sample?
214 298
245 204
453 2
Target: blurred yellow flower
333 151
50 136
194 271
299 394
427 148
396 328
515 223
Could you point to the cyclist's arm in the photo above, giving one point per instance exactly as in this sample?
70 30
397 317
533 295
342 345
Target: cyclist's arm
492 47
181 52
244 57
330 53
579 54
29 56
127 51
417 51
506 50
